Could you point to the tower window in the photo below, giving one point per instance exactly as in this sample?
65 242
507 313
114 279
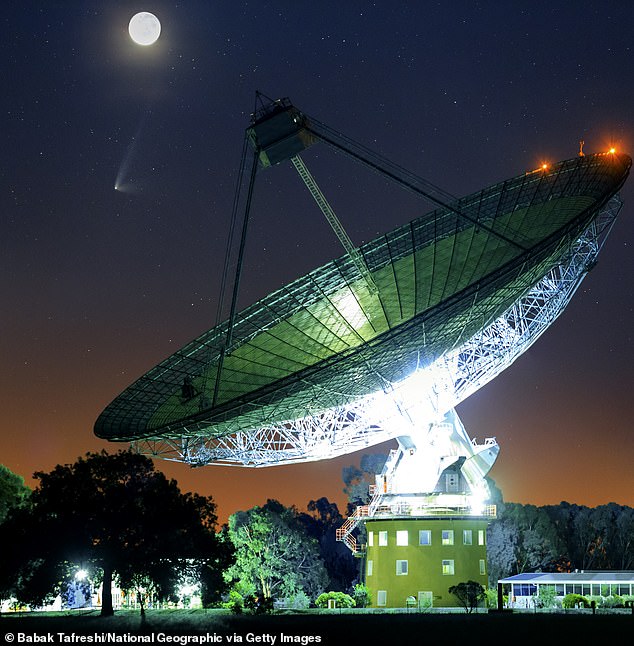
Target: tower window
401 568
467 537
447 536
447 567
382 539
402 537
483 567
369 570
424 537
381 597
481 537
371 539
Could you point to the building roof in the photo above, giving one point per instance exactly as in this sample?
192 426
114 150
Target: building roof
587 576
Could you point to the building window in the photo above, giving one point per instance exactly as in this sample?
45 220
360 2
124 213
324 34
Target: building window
381 598
447 536
401 568
467 537
371 539
424 537
481 537
402 537
524 589
483 566
369 570
382 539
447 567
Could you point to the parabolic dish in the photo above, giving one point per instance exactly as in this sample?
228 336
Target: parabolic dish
326 339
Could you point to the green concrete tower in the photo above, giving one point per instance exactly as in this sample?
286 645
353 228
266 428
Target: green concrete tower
427 517
415 560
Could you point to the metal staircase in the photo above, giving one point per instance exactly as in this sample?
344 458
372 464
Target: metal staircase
377 491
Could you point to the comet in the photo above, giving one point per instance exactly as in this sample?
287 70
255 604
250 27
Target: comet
123 183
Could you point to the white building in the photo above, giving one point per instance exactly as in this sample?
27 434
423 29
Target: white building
523 588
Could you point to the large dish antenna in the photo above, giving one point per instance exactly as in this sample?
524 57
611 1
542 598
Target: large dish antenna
365 321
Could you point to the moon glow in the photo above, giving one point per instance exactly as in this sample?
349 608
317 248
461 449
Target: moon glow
144 28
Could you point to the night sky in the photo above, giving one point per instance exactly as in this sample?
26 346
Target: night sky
99 285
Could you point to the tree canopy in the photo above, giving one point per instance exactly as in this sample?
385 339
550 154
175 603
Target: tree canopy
469 594
358 479
275 556
321 522
560 538
116 514
13 491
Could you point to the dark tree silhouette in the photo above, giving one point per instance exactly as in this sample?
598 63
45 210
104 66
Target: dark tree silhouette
468 593
321 523
358 480
13 491
116 513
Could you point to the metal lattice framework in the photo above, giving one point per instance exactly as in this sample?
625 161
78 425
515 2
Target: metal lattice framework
433 390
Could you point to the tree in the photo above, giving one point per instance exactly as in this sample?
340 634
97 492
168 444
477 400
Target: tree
469 594
522 539
115 513
546 597
13 491
361 595
321 523
13 494
495 494
623 549
274 554
502 538
358 480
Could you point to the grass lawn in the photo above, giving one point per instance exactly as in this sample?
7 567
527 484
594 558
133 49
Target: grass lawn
218 626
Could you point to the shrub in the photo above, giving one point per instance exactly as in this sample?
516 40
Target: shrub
546 598
574 600
342 600
613 601
361 596
491 598
258 605
235 602
299 601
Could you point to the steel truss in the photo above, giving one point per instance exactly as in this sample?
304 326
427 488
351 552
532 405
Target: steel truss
428 394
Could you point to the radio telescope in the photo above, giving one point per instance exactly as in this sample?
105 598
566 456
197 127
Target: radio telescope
383 342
